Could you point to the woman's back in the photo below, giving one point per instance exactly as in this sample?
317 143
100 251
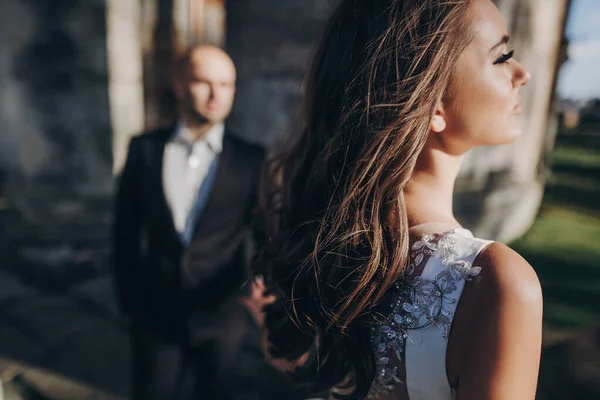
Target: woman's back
413 323
446 329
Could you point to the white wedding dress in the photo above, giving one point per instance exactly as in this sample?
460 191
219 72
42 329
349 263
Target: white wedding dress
411 327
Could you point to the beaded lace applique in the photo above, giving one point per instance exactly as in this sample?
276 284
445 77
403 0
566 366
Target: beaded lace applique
417 303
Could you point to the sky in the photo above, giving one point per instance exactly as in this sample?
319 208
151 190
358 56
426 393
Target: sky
579 77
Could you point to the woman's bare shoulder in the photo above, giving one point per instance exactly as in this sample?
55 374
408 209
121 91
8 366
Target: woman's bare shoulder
504 272
499 322
506 287
507 292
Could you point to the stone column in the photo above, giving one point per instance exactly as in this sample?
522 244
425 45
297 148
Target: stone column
126 84
168 28
213 18
500 189
159 49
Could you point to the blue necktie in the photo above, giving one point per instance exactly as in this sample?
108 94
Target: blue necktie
201 200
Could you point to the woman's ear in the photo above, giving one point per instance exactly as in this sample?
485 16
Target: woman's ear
438 121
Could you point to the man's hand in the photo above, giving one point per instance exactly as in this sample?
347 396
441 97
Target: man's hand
256 301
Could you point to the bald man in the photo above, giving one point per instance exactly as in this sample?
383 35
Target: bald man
182 216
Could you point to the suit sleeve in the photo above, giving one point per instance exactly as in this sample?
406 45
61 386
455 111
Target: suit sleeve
258 223
126 234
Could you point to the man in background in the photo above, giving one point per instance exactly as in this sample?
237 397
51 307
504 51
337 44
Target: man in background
182 217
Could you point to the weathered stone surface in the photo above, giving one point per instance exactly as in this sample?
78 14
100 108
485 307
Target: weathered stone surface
126 83
56 140
56 175
271 43
58 311
22 382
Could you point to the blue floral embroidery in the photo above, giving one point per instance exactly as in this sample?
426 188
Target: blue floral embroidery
417 303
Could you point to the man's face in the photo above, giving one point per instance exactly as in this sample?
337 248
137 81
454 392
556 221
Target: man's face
208 87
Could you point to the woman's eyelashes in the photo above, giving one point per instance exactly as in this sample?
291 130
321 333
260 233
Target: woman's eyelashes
504 57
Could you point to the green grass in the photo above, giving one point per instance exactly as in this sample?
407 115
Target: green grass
563 245
576 156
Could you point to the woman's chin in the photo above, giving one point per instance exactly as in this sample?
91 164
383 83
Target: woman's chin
516 133
510 135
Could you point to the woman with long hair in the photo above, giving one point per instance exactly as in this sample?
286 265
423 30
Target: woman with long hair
359 285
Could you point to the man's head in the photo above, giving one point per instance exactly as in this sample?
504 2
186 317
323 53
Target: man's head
205 84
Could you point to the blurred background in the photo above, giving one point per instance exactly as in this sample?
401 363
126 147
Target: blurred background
78 78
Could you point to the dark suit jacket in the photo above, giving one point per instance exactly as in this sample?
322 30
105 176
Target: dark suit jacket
172 289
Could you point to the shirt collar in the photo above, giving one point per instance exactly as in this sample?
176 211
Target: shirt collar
214 136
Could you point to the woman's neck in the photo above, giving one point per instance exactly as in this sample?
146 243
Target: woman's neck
429 192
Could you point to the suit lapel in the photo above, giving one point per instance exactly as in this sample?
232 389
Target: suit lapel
158 196
155 166
223 168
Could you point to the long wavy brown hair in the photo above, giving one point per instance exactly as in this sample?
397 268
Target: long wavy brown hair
334 207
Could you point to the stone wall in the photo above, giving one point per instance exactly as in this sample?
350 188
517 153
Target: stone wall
271 42
55 147
58 310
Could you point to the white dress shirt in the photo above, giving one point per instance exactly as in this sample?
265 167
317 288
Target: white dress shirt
185 165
